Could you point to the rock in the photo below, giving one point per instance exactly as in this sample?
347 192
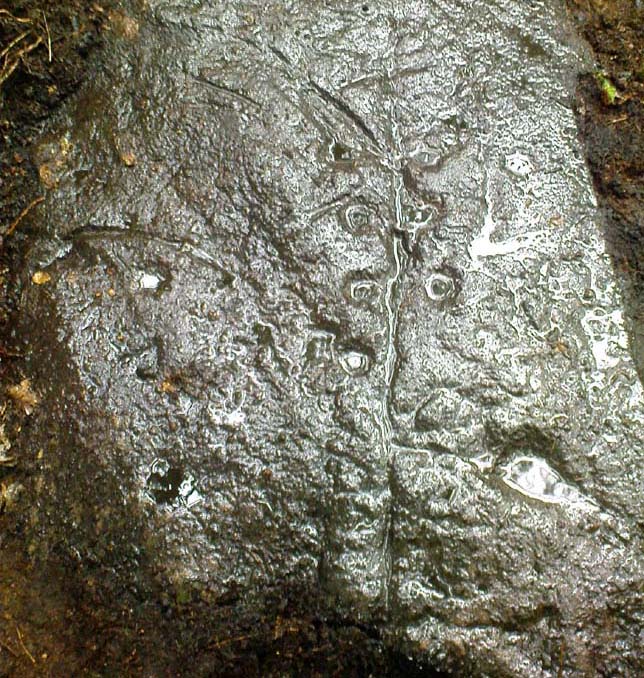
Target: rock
346 323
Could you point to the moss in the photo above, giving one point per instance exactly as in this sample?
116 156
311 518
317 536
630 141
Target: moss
610 95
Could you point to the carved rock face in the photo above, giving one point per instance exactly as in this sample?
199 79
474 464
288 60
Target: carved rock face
329 303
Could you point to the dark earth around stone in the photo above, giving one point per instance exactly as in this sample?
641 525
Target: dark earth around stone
329 350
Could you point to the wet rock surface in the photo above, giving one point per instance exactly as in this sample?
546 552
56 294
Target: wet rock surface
329 309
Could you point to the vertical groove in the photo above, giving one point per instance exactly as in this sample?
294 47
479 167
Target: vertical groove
392 305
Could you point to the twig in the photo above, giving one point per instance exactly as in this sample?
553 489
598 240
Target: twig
9 354
13 43
228 641
48 35
616 120
23 214
22 645
6 72
562 656
9 649
6 12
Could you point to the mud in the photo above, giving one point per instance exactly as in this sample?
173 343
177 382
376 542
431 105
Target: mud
613 134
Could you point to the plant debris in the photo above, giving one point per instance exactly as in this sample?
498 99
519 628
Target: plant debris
610 95
40 278
29 35
9 493
22 215
610 113
23 396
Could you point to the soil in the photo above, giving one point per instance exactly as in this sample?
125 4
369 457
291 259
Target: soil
49 626
46 51
611 124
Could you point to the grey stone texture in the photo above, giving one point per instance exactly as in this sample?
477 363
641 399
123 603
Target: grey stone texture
330 304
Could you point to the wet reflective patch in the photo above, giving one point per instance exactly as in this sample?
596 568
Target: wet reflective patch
171 486
534 478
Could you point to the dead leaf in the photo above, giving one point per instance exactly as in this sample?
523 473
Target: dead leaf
47 176
40 278
5 443
7 461
9 493
23 395
167 387
128 158
65 146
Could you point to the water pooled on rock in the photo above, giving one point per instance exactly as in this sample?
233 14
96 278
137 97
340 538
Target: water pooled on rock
519 164
366 291
534 478
358 218
150 281
440 286
354 363
170 486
